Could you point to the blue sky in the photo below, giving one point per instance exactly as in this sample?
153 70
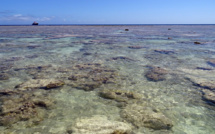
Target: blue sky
107 11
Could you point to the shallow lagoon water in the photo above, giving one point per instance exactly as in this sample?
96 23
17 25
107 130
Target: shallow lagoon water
24 49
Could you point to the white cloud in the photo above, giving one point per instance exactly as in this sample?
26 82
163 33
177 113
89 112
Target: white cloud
17 15
21 17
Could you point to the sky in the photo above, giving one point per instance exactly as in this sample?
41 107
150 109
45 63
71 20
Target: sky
107 12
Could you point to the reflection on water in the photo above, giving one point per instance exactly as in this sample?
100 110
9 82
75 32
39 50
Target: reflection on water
69 79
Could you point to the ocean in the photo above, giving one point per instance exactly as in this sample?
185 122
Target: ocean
107 79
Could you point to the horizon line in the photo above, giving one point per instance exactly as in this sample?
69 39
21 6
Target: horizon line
93 24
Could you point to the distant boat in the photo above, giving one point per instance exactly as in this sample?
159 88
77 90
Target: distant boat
35 23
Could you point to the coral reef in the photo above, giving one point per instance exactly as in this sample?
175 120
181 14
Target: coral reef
91 76
197 43
23 106
4 76
156 74
99 124
122 58
142 116
40 84
164 51
207 85
209 95
211 62
119 95
136 47
202 82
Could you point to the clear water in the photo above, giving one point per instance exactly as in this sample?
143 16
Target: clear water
66 46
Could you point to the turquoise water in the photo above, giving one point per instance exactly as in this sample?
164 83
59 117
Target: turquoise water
108 58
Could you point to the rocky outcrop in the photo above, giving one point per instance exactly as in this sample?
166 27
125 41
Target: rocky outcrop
164 51
141 116
197 43
86 85
211 62
209 95
136 47
7 92
198 74
204 68
202 82
22 106
32 46
13 59
4 76
33 67
40 84
91 76
119 95
122 58
5 66
100 125
37 71
156 74
207 85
